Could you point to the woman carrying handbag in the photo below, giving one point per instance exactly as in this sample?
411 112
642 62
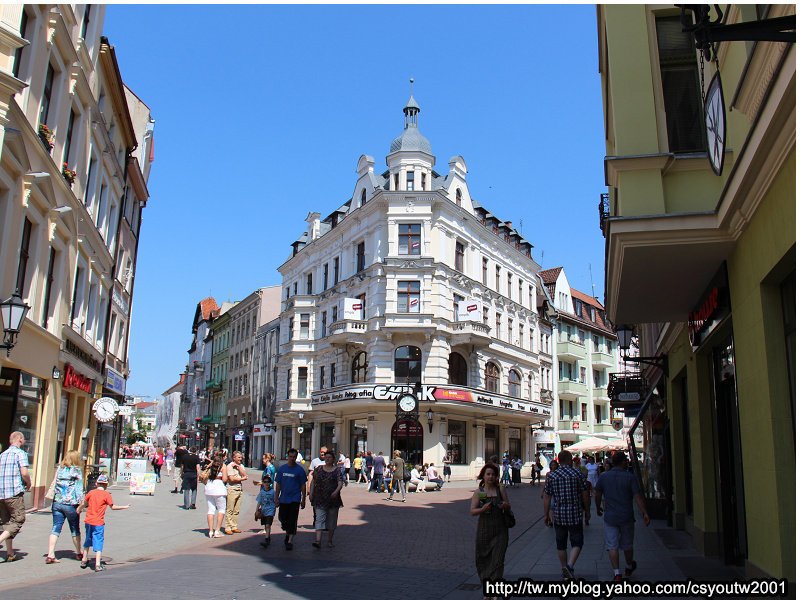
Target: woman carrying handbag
66 492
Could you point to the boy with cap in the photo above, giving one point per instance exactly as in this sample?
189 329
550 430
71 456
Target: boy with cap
95 503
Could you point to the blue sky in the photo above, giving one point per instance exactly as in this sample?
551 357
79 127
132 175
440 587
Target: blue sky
262 112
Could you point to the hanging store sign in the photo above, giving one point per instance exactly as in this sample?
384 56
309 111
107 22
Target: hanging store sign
115 381
429 393
713 307
354 309
469 310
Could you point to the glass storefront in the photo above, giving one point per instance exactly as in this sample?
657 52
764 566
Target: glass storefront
326 434
358 437
491 437
21 396
650 432
457 442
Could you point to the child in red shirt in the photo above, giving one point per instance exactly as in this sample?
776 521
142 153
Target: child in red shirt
95 503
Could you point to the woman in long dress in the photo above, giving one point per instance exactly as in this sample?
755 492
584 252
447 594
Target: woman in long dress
488 503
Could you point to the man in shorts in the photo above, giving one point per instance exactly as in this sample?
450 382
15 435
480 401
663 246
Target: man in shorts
290 495
620 488
15 480
570 490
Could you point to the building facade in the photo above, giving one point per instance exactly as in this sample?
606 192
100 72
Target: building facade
264 386
585 346
258 308
214 421
67 153
703 265
410 286
194 403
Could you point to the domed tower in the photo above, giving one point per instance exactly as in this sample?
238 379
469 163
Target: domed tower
410 159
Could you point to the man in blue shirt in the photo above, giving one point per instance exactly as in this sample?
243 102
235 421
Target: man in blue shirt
620 488
290 495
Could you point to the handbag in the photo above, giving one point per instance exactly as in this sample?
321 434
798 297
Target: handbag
509 519
204 475
406 475
51 491
258 516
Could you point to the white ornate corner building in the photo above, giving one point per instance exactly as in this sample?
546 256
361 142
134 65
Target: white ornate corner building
411 286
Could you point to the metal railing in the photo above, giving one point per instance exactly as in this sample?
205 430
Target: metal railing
605 212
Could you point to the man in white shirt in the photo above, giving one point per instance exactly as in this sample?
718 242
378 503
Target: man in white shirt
433 477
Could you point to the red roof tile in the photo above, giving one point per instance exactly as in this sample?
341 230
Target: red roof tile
209 308
549 276
584 298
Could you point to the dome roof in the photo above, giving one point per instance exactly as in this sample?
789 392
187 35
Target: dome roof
411 140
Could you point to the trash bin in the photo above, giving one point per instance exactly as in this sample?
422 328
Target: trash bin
91 478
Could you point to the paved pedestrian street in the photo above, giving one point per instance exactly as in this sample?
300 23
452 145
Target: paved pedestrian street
423 548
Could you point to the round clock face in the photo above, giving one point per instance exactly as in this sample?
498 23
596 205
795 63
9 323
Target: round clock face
715 124
105 409
408 403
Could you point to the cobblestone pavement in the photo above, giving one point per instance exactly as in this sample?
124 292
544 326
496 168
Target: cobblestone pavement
420 549
381 546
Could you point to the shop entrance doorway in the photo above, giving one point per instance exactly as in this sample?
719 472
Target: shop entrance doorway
407 437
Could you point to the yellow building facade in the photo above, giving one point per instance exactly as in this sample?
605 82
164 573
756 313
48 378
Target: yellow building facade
704 267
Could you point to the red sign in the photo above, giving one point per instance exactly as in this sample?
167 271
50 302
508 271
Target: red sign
446 394
72 379
407 427
576 425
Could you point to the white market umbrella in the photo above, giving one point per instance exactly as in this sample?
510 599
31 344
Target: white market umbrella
589 444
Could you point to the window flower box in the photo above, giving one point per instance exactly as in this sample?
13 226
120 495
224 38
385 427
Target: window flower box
68 174
47 136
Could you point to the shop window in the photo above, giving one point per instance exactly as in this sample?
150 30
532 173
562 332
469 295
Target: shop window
408 364
326 434
457 442
457 371
359 370
514 384
492 376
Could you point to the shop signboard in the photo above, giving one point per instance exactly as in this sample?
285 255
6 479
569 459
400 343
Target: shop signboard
469 310
105 466
353 309
115 381
143 483
428 393
127 467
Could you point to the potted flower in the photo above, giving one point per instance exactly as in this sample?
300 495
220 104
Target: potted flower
47 136
68 174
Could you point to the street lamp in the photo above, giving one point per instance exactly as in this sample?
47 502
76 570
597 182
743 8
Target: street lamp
13 312
429 414
624 335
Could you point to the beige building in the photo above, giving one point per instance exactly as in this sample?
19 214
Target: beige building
246 316
66 152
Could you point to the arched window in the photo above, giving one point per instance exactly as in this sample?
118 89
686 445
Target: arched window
492 377
408 364
359 371
458 196
363 198
514 384
458 369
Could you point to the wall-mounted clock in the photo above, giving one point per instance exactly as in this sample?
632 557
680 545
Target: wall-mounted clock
714 109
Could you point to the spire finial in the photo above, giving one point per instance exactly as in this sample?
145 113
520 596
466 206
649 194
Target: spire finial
411 81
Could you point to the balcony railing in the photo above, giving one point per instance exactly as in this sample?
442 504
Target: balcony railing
214 385
347 326
469 327
605 212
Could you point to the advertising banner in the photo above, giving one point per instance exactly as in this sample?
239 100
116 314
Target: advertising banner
105 466
143 483
353 309
127 467
115 381
469 310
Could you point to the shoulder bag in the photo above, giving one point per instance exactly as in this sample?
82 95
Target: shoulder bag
51 491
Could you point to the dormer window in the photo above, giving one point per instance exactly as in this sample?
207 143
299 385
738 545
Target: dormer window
458 197
363 200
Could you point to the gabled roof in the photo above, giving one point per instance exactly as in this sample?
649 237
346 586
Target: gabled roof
209 308
585 298
549 276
